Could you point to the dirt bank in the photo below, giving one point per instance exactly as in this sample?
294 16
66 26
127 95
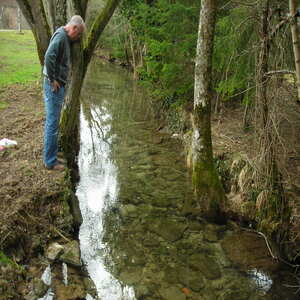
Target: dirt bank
33 206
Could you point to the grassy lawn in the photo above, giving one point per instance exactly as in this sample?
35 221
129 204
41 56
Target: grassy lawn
19 61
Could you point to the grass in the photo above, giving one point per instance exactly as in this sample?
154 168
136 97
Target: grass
19 61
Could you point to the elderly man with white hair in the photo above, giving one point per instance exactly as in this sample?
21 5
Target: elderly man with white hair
56 70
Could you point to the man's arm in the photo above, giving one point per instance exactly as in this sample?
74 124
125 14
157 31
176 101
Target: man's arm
51 60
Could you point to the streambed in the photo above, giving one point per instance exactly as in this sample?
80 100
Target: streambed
135 241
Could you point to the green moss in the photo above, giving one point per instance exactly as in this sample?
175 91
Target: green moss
5 259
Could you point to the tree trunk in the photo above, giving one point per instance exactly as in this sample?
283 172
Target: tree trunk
272 206
206 181
19 20
296 42
70 118
60 14
34 12
80 60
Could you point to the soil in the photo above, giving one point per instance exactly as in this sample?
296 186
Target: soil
230 138
33 209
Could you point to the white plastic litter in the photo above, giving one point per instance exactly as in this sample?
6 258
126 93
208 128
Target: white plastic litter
8 143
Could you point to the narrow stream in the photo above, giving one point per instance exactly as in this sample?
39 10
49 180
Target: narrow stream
135 242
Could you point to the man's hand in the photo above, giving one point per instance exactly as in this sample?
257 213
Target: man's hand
55 86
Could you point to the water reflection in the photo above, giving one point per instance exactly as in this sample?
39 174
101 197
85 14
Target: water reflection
135 241
97 190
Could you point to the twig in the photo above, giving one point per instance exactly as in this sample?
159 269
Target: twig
281 72
59 233
267 242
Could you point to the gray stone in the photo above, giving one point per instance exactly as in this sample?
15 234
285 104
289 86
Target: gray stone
208 266
71 254
53 251
172 293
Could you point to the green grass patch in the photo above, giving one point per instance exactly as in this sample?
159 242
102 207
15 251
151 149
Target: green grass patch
19 61
3 105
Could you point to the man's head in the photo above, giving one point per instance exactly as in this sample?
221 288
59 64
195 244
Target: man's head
75 28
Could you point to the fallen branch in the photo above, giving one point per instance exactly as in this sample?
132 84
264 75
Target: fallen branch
281 72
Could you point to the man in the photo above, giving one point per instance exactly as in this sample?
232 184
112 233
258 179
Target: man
56 69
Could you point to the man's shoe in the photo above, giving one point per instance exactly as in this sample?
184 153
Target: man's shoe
58 166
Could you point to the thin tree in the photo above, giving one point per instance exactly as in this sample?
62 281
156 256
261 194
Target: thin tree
296 42
272 206
210 193
42 24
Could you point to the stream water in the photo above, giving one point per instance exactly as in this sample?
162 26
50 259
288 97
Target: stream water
135 241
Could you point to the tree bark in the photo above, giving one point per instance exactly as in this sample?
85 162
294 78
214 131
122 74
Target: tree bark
296 42
81 56
19 20
35 14
272 205
209 190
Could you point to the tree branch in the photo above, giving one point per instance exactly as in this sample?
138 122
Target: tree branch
77 7
84 5
26 10
97 28
281 72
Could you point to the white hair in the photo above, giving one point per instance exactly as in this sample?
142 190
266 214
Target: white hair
76 20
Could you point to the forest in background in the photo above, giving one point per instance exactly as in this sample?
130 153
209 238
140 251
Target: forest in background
254 81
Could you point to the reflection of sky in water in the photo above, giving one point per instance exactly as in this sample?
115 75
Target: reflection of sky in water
97 190
262 281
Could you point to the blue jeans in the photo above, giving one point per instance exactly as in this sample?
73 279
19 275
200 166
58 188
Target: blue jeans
53 105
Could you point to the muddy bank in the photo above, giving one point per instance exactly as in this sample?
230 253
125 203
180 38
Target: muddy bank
34 206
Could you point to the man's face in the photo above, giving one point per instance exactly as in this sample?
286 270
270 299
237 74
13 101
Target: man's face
75 32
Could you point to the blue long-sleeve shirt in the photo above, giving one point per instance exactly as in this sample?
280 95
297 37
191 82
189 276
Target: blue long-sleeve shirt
57 57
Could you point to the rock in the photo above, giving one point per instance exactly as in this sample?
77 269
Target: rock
53 251
205 264
151 240
131 275
39 287
190 278
210 235
169 229
128 211
141 291
71 254
70 292
31 296
248 251
90 286
172 293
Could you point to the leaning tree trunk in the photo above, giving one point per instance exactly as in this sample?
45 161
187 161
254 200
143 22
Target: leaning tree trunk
296 42
34 12
207 185
81 57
